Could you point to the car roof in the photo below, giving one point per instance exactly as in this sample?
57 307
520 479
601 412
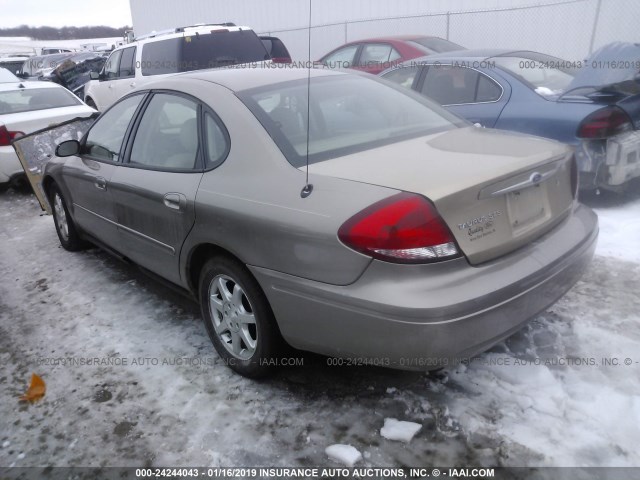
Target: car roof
391 38
475 54
22 85
183 32
242 77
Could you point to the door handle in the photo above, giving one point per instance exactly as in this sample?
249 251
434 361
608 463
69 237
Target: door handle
111 85
100 183
175 201
132 84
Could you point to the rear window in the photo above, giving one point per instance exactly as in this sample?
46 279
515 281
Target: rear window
348 114
545 75
196 52
31 99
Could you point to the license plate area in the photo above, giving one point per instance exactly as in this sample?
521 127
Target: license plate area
528 208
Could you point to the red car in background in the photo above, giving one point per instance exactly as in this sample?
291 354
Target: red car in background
373 55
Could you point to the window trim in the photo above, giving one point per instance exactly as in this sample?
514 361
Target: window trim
427 66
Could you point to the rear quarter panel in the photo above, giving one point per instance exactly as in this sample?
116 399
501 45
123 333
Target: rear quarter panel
528 112
251 204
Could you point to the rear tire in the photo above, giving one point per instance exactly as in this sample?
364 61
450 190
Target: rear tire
65 227
238 318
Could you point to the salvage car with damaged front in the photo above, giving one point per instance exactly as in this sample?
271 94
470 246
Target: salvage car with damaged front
417 238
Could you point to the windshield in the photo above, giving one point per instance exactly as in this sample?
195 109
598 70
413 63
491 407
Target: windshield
217 49
30 99
348 114
547 76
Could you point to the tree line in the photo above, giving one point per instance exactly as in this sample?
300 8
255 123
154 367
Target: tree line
62 33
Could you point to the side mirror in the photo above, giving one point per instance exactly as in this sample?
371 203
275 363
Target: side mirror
94 75
68 148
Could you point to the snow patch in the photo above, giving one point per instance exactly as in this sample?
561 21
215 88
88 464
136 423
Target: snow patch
343 454
399 430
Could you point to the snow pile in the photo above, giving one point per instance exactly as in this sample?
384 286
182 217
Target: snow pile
343 454
398 430
619 231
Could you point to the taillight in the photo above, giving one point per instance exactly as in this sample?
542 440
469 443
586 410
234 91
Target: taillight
6 136
604 123
404 228
281 59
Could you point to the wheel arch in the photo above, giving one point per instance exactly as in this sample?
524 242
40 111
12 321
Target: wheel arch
198 257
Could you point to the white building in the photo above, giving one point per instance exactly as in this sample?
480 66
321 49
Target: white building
566 28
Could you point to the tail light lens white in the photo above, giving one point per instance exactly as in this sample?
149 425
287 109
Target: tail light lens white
604 123
404 228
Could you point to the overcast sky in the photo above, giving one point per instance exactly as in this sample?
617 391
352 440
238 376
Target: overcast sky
76 13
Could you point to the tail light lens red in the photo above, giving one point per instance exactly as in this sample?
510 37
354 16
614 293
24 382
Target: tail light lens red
6 136
281 60
404 228
604 123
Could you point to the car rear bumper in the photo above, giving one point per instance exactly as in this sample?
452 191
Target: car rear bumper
9 164
422 317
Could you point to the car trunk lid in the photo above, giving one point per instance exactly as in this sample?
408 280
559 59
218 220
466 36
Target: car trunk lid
496 191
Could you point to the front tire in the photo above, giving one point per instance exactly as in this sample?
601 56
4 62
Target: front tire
65 228
238 318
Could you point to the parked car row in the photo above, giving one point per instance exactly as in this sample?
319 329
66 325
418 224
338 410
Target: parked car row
582 104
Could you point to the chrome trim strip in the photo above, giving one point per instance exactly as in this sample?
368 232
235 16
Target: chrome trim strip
130 230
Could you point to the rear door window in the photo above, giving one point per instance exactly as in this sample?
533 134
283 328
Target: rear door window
449 85
167 137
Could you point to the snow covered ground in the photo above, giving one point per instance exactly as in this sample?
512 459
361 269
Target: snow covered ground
133 380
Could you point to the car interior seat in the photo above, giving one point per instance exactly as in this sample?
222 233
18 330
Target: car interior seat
188 146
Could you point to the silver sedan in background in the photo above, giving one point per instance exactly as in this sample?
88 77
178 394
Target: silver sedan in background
417 238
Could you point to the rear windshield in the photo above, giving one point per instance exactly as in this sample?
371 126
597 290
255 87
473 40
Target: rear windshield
436 45
348 114
196 52
547 76
31 99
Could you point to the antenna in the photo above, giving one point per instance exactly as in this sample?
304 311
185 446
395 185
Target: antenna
308 188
